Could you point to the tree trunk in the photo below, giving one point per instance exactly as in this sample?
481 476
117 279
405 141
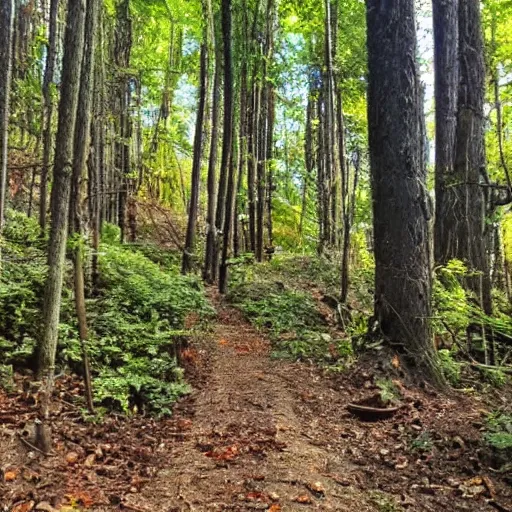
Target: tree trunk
51 57
190 242
6 31
211 234
403 277
468 231
122 47
60 196
446 29
81 152
227 169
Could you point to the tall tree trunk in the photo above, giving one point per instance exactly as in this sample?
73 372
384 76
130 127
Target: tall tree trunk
211 234
6 32
469 231
80 154
190 242
271 111
51 57
227 167
403 277
60 196
446 61
123 45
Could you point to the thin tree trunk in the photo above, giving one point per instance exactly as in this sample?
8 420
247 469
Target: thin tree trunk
80 155
403 279
211 235
6 33
190 242
60 196
51 57
227 169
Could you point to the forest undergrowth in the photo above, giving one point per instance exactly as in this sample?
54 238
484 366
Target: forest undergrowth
144 307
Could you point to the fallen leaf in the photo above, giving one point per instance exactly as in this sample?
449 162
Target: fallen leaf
72 458
44 506
402 464
256 496
395 361
228 453
25 506
275 508
303 498
223 342
184 424
316 487
10 476
490 486
90 460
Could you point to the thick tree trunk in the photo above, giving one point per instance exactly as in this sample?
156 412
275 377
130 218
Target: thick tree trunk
59 203
446 60
190 242
51 57
227 167
6 32
469 231
403 277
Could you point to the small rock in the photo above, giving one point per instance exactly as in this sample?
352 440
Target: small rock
274 496
134 490
416 427
384 452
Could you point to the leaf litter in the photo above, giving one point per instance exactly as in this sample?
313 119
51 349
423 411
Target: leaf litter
255 434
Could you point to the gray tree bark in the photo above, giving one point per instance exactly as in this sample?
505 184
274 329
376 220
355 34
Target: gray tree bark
60 196
403 278
6 33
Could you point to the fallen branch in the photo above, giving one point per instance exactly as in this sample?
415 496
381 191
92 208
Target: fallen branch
32 447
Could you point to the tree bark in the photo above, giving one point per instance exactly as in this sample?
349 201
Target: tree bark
468 231
190 242
403 277
227 169
82 144
211 235
51 57
6 32
122 48
446 30
59 201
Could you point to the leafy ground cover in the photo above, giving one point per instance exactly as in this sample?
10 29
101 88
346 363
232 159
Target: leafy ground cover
137 319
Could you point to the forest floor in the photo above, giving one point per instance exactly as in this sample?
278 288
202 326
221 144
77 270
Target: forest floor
257 433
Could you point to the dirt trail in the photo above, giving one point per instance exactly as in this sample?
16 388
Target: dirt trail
264 434
248 448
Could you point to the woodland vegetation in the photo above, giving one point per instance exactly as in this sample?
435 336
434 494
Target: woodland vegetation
337 171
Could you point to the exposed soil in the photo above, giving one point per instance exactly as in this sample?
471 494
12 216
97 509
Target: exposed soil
259 434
